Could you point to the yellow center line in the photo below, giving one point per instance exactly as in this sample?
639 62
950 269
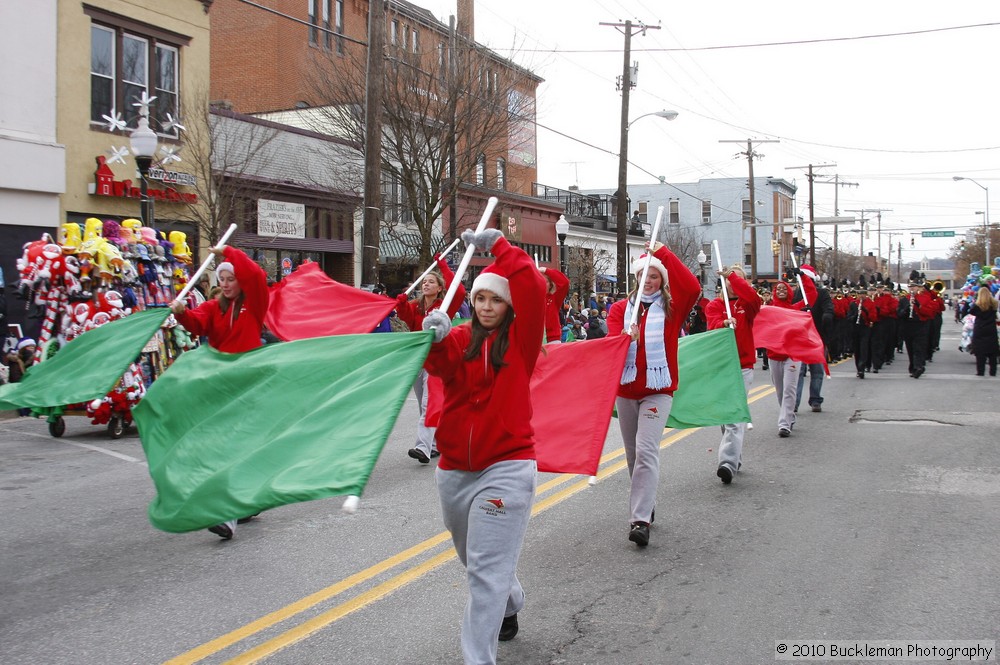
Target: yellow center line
360 601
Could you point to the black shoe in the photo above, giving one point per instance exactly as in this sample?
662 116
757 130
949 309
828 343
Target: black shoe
861 375
652 516
725 473
917 373
817 408
784 432
222 531
875 371
508 629
639 534
434 454
418 455
244 520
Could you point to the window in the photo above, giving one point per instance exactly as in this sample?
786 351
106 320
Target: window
501 173
675 212
643 211
706 212
395 201
746 254
338 25
442 60
481 169
415 42
394 32
313 22
128 59
747 215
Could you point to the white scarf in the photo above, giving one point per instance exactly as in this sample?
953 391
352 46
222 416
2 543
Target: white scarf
657 370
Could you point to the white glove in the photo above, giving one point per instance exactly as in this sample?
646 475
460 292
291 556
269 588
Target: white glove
439 322
483 240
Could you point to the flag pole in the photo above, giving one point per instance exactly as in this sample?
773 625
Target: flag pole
725 291
798 276
205 264
645 267
420 279
469 251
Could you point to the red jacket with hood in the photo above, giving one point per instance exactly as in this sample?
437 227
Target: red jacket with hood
486 415
788 304
745 306
232 331
409 311
684 293
554 303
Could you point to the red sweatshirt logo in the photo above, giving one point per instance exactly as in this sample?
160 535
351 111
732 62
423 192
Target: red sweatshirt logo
652 409
496 502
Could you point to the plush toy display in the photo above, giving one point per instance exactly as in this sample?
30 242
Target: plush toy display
95 274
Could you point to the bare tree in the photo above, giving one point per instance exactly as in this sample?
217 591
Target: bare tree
226 158
439 122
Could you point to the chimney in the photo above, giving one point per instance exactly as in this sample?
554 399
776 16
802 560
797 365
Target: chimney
466 19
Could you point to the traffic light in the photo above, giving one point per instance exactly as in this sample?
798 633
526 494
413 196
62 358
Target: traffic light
776 247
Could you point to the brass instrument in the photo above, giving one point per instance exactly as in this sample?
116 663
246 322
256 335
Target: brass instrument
938 285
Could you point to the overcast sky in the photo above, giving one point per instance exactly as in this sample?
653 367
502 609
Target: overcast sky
898 114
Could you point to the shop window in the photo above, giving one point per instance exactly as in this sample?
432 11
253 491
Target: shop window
128 59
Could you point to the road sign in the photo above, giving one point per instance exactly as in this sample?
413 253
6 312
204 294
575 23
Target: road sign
937 234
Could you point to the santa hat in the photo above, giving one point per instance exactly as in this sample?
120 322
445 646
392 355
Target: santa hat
25 342
654 264
490 279
809 271
225 265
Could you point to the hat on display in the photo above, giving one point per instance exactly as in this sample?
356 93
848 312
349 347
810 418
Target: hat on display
654 264
490 279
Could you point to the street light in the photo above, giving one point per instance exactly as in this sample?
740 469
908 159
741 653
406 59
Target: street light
562 228
144 142
986 217
702 259
621 215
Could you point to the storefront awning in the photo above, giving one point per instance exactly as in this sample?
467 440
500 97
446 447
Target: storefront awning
607 278
405 246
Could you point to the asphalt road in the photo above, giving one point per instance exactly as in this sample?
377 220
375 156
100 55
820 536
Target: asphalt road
877 520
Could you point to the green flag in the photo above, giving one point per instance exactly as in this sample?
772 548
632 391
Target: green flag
86 368
228 435
711 388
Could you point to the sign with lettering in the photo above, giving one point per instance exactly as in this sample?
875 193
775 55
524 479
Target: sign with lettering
172 177
937 234
281 218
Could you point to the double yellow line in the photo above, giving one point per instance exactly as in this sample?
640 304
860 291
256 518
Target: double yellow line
324 619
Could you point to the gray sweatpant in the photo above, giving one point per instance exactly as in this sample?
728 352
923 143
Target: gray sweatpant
785 378
733 435
487 514
425 435
642 422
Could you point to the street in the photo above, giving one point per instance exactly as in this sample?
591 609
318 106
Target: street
876 520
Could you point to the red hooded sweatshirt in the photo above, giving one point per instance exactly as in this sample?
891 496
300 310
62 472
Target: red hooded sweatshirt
788 304
745 306
554 303
684 293
232 331
486 416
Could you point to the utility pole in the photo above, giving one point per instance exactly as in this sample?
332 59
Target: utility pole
812 216
626 84
452 140
750 154
837 184
373 143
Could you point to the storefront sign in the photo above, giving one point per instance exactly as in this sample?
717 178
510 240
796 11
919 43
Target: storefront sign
173 177
280 218
106 185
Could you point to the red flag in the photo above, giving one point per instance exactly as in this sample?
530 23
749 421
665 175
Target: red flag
308 303
789 332
570 427
573 390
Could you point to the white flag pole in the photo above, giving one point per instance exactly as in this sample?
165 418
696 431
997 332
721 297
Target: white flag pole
469 251
205 264
433 265
645 267
722 280
798 276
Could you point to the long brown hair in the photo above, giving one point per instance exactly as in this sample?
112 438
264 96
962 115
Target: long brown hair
420 296
225 302
479 335
984 299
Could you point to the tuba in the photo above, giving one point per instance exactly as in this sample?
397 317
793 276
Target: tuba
938 285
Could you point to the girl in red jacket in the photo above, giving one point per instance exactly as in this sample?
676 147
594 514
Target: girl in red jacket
486 473
412 313
557 288
785 370
650 376
233 321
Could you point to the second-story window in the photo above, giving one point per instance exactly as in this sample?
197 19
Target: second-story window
706 212
394 32
501 173
414 41
124 65
675 212
481 169
338 25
